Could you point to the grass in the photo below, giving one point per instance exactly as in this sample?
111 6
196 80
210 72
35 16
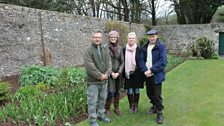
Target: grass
193 96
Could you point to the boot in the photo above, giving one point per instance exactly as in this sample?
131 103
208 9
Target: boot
136 100
159 118
107 107
130 100
116 106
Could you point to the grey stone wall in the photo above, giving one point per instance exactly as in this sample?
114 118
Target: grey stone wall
25 33
178 37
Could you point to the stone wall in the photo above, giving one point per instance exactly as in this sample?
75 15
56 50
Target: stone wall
27 34
178 37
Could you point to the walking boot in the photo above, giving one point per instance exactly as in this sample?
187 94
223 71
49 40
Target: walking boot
116 106
159 118
152 110
107 107
130 100
136 100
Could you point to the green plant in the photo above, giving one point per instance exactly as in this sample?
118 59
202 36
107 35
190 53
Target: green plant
32 106
215 56
193 49
35 74
42 86
27 92
206 47
72 75
143 41
173 61
4 90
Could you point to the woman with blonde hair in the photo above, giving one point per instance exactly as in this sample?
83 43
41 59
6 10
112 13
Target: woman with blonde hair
134 79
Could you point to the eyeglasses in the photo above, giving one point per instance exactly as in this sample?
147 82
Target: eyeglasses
113 37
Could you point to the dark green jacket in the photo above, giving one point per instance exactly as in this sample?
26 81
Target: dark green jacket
93 64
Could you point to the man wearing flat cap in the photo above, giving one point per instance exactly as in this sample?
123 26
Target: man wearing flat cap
152 63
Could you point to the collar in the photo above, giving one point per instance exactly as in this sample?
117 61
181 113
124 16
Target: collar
95 45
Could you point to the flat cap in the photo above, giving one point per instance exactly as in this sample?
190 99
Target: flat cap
152 32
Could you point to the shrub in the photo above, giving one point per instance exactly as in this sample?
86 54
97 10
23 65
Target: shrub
206 47
121 28
203 47
143 41
35 74
4 91
193 49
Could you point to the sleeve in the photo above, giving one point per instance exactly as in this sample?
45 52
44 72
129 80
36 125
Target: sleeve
161 63
121 68
109 63
90 66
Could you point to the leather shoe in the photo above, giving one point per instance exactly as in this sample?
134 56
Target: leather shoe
117 111
93 123
104 119
159 118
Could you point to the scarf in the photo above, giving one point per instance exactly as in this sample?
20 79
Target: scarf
130 62
114 48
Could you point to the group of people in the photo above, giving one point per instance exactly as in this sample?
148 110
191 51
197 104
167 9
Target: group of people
110 67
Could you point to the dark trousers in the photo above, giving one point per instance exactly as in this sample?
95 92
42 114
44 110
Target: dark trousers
154 92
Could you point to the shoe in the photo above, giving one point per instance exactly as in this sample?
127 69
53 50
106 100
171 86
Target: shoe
104 119
159 118
108 113
93 123
117 112
152 110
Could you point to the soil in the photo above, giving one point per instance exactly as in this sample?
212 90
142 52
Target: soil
13 81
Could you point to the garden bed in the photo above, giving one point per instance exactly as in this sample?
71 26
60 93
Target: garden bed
14 84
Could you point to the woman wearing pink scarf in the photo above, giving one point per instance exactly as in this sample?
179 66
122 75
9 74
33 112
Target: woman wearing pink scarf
134 79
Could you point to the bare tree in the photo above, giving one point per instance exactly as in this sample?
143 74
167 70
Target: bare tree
150 8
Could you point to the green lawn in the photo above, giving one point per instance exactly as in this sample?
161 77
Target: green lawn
193 96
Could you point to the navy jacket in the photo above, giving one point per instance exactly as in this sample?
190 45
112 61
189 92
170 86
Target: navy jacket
158 61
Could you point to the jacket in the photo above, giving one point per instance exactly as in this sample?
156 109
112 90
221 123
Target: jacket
159 61
93 64
117 67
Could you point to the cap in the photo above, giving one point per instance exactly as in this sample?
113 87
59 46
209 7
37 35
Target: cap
152 32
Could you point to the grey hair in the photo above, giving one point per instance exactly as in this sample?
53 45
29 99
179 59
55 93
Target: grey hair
96 31
113 33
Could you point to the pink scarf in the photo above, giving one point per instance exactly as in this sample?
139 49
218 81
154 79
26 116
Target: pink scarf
130 62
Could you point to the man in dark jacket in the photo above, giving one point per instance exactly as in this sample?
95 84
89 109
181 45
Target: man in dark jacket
98 68
152 64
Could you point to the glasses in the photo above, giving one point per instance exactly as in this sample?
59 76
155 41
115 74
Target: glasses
113 37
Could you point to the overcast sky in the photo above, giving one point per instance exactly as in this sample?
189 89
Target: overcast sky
164 7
